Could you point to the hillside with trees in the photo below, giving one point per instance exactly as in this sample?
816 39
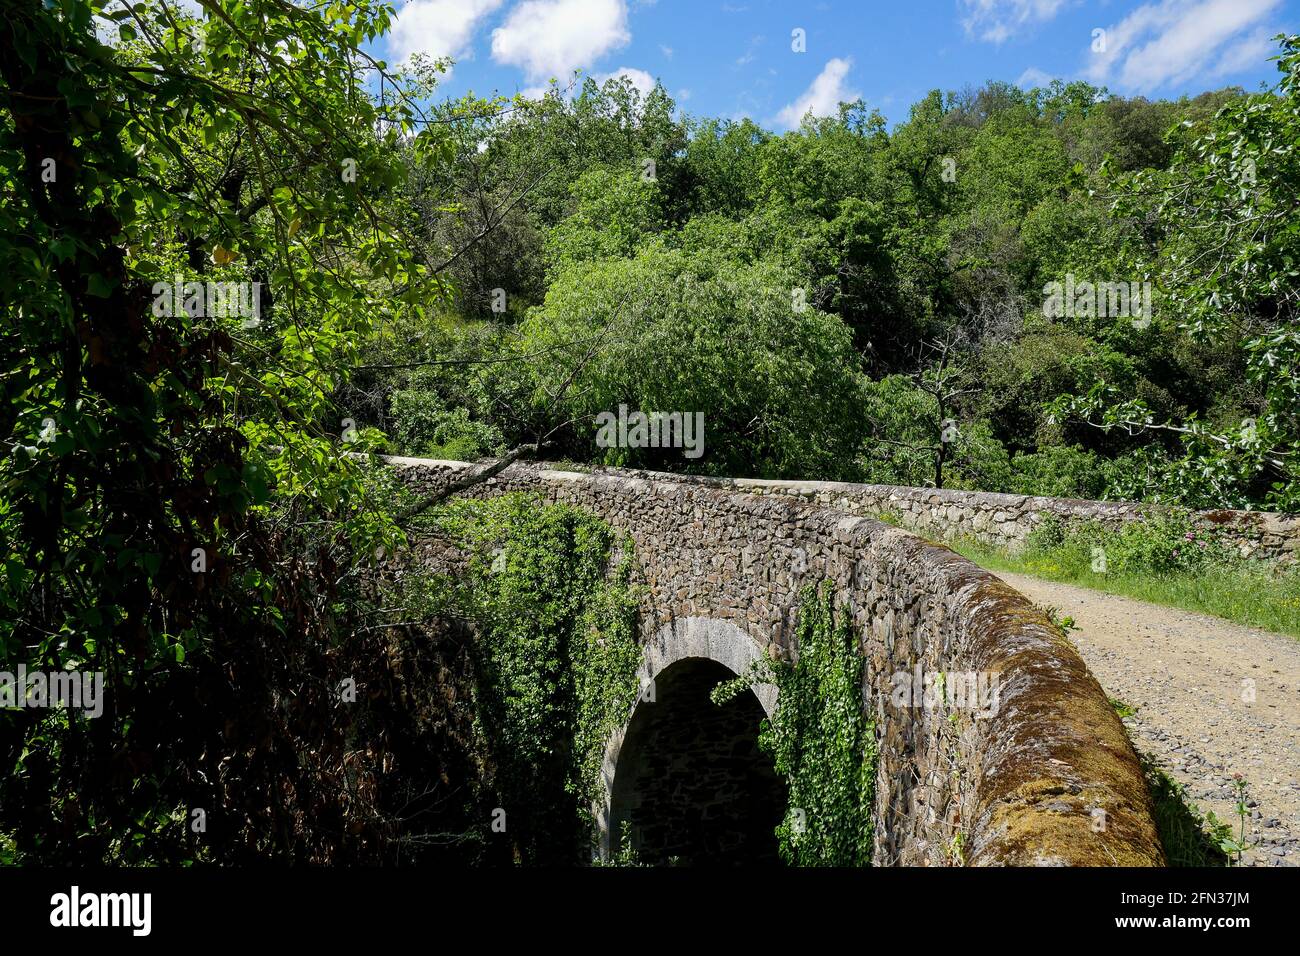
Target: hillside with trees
835 295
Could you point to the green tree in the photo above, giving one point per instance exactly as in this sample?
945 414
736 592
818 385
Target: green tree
670 331
177 510
1223 247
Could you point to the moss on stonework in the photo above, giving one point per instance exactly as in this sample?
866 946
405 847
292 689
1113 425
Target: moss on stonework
1066 784
1043 822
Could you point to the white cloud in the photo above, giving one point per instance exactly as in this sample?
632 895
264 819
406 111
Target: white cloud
996 20
642 81
548 38
1161 44
823 96
667 51
1246 53
684 93
1034 77
438 27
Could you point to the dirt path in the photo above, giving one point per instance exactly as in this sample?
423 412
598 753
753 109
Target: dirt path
1184 675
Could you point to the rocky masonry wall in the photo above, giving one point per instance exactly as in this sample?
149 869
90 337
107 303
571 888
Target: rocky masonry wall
1007 520
1047 776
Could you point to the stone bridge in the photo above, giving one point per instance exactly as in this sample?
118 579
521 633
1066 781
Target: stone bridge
1047 777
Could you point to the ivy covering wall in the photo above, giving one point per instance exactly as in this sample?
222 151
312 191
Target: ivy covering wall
555 661
821 740
555 655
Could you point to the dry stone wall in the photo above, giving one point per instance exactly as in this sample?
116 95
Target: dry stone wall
1006 520
1046 776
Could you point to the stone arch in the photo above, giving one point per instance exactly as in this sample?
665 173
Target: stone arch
914 604
721 788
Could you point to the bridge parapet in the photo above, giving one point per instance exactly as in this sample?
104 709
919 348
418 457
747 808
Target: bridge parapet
1005 520
1031 768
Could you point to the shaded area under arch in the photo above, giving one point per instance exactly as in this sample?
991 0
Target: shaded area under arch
691 785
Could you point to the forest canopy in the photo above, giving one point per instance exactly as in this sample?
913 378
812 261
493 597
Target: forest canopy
850 301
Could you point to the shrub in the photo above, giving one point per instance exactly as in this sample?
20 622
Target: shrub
1047 534
1161 542
1164 543
1057 472
776 380
424 425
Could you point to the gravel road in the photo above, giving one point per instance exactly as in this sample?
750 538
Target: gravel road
1186 676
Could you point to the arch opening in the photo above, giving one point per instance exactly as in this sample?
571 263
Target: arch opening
691 786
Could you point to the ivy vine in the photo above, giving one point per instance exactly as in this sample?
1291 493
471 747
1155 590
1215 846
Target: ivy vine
820 739
555 654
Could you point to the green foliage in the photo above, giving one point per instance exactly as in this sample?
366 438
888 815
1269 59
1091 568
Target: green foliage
906 430
625 289
209 149
723 165
1056 471
1221 240
555 659
1064 623
821 740
1161 542
1156 560
902 413
1122 709
1166 542
698 333
616 211
1189 837
424 425
1238 843
625 856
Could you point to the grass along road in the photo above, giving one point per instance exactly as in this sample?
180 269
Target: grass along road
1183 674
1249 592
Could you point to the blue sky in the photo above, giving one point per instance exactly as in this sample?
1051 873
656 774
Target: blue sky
735 58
